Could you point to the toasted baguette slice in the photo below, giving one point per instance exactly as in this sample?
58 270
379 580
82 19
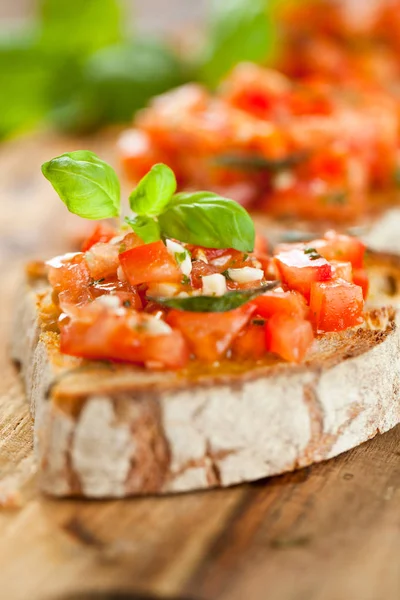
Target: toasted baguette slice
104 430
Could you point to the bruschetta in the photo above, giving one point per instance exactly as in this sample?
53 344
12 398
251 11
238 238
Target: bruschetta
177 352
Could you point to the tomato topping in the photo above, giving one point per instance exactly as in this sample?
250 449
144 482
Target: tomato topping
342 270
290 303
360 277
299 269
336 246
70 276
250 343
289 336
210 335
102 260
148 263
101 233
98 334
336 305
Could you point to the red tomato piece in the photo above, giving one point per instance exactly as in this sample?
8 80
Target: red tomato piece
148 263
210 335
69 275
342 270
290 303
102 260
199 270
336 305
299 270
336 246
95 333
360 277
289 336
101 233
250 343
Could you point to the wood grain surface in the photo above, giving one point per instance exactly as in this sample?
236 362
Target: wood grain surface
330 532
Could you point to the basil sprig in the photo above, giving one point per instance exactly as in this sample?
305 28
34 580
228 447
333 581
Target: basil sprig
90 188
152 194
146 228
206 219
228 301
87 185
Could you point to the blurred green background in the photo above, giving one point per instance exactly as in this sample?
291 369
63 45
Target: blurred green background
78 65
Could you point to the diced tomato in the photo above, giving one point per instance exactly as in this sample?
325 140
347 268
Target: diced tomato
336 305
199 270
250 343
101 233
148 263
131 240
289 336
360 277
342 270
98 334
299 270
138 153
336 246
290 303
210 335
261 245
69 275
102 260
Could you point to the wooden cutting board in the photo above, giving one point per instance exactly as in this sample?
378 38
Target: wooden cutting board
330 532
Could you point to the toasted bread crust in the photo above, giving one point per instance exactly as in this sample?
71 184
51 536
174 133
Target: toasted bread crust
112 431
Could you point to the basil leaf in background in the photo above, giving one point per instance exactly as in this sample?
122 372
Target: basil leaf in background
256 162
87 185
119 80
145 227
79 27
228 301
239 30
205 219
154 191
24 80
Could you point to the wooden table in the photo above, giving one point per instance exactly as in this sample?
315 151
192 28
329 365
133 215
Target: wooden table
330 532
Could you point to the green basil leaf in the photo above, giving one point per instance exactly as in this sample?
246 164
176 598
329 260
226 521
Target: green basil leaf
256 162
77 27
86 184
205 219
228 301
146 228
239 30
154 191
120 79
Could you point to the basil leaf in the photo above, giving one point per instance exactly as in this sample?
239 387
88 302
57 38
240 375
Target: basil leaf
240 30
154 191
120 79
22 68
228 301
146 228
256 162
86 184
79 28
205 219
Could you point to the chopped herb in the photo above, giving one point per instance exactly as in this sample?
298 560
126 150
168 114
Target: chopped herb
122 248
258 322
339 198
126 303
180 256
226 274
185 280
97 281
245 257
313 254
